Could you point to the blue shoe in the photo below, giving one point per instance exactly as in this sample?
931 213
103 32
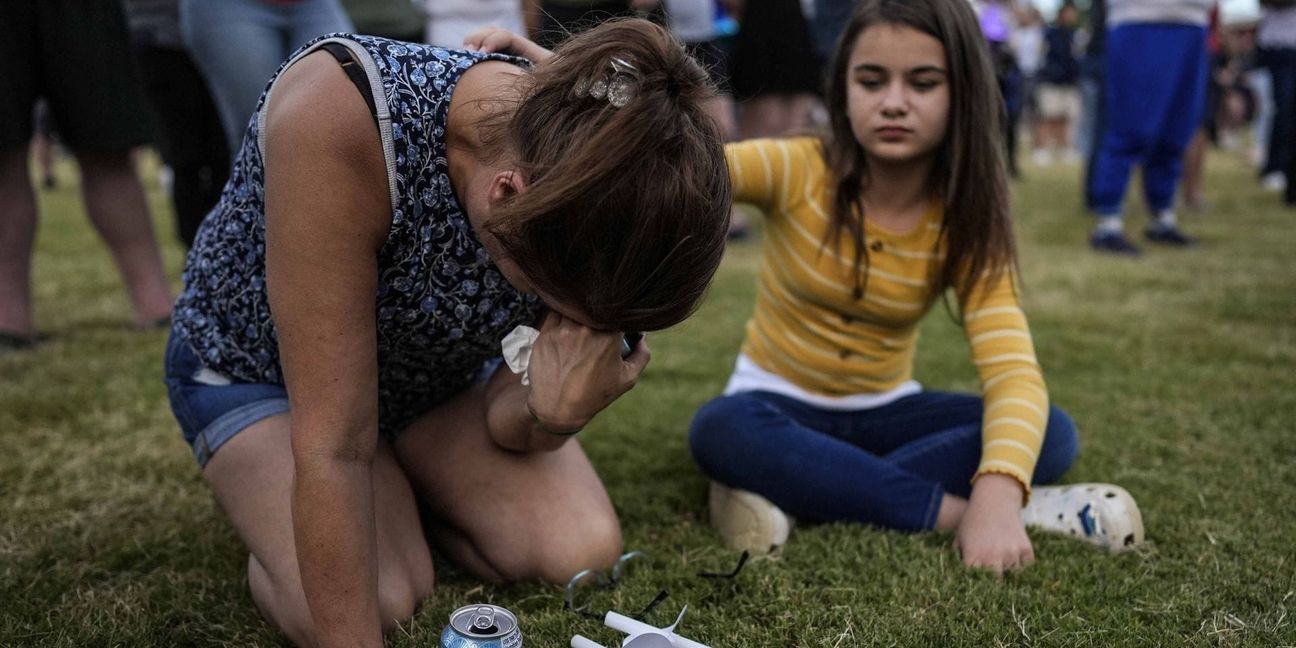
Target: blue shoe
1112 243
1168 235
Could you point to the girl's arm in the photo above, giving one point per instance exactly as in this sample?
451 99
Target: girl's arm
769 172
327 215
495 39
991 533
575 373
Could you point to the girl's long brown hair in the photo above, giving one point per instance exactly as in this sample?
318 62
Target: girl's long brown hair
969 171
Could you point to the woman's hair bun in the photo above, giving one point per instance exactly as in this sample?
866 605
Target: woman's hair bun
627 202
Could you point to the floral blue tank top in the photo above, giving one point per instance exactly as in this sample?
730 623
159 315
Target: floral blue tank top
442 305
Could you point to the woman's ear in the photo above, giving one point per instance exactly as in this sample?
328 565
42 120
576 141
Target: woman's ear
505 185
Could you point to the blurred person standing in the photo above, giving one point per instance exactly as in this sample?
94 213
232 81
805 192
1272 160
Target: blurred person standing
693 22
400 20
1155 70
450 21
776 69
44 143
997 26
238 45
1028 47
826 23
1276 40
186 128
1092 113
1059 91
71 53
551 22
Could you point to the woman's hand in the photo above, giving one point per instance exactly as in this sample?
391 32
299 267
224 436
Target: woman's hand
495 39
991 534
577 371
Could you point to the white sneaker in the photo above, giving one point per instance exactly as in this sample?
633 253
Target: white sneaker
746 521
1274 182
1042 157
1100 514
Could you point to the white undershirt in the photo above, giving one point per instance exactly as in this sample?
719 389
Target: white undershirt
748 377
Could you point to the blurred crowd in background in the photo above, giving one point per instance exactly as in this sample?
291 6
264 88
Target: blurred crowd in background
99 78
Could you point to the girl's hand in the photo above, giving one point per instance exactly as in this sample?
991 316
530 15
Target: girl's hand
991 534
494 39
577 371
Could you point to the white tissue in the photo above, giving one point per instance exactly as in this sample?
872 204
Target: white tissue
516 347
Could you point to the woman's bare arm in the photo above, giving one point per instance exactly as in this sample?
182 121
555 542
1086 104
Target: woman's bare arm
327 214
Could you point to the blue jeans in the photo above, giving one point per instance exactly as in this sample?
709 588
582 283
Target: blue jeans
1155 93
239 45
888 466
210 412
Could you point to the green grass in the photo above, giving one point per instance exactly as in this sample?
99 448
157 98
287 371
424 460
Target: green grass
1177 366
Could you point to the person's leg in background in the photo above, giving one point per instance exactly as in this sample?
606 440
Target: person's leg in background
1182 60
1261 84
19 68
115 202
17 236
102 117
1093 122
776 70
1137 97
312 18
1281 64
43 144
1284 85
188 132
238 45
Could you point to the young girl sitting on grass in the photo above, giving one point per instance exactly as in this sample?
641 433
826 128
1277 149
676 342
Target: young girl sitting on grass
904 199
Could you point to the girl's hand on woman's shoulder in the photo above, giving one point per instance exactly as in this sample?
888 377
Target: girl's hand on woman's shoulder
991 534
497 40
576 371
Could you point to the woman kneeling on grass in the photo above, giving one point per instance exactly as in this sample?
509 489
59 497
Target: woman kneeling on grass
905 199
394 212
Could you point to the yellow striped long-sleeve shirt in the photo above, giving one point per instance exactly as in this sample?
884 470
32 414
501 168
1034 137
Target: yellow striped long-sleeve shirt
809 329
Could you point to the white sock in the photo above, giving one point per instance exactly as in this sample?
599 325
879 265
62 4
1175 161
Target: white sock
1167 219
1111 225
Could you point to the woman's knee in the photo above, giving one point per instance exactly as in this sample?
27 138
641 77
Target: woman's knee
404 585
403 582
555 553
282 603
1060 449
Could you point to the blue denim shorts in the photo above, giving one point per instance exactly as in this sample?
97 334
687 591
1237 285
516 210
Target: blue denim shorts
212 408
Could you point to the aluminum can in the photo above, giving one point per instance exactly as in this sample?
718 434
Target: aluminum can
482 626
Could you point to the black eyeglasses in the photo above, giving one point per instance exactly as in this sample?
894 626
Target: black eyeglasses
593 579
601 580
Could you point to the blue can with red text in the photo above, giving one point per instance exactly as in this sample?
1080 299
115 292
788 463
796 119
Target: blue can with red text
482 626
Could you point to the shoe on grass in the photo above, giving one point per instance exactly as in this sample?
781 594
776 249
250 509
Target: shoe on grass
1112 243
1100 514
746 521
1168 235
18 341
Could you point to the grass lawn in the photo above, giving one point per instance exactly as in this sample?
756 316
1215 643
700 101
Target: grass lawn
1179 367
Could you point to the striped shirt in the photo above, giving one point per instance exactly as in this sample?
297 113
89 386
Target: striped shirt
810 329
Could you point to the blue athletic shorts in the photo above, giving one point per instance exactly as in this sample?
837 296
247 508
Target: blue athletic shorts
212 408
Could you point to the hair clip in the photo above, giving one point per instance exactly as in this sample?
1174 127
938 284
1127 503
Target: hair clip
617 86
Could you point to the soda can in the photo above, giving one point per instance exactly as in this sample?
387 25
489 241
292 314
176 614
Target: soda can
482 626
